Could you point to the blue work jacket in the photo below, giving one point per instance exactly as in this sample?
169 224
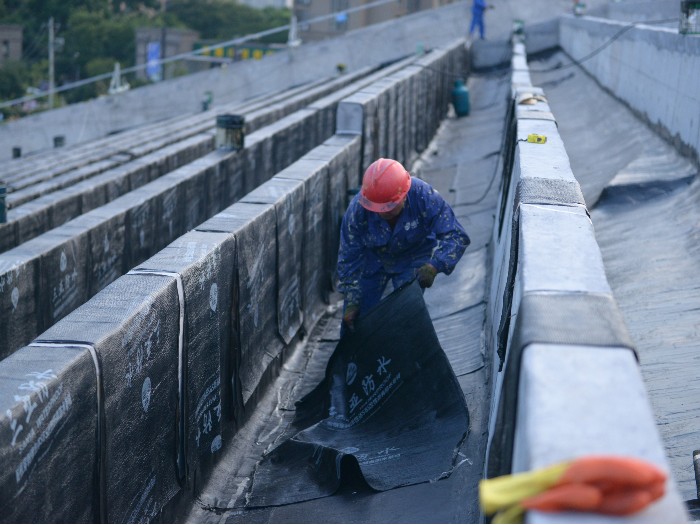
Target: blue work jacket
478 7
427 231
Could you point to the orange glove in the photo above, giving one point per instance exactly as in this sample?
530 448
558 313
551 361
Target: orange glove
349 315
611 485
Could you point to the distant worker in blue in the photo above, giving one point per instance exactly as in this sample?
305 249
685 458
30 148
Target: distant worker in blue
478 8
397 228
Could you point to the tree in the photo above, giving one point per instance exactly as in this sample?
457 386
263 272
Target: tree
225 19
12 80
133 5
90 36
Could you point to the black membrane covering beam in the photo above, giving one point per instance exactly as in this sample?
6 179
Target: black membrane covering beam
205 264
314 175
255 332
49 425
389 404
287 195
134 326
256 254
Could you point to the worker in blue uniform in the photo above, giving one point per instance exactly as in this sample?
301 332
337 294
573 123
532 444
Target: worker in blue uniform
397 228
478 8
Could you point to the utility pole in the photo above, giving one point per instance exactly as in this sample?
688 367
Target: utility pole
163 38
51 62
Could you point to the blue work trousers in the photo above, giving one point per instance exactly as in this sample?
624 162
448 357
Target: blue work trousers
477 21
373 286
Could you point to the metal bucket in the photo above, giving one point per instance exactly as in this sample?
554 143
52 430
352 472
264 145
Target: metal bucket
229 132
690 18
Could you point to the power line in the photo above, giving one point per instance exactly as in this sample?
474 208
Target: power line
37 43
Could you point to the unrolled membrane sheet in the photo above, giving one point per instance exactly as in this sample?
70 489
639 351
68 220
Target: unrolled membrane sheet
389 403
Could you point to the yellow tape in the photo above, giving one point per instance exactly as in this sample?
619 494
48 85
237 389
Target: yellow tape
537 139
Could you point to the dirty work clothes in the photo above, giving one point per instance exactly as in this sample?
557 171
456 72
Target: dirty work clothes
478 9
372 253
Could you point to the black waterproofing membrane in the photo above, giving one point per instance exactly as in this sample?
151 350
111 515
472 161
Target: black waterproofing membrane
389 403
48 425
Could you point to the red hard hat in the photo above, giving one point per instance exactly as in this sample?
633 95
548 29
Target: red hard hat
384 185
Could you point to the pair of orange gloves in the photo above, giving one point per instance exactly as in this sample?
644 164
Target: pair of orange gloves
612 485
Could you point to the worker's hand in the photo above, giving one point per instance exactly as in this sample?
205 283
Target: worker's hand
349 316
426 275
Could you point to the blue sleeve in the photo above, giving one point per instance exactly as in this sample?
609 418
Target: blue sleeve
351 256
451 238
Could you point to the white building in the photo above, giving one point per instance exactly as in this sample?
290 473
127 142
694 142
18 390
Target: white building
259 4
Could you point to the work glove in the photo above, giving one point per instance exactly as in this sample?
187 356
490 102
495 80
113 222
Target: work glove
610 485
349 316
426 275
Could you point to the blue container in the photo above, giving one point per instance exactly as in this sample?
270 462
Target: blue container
3 193
460 98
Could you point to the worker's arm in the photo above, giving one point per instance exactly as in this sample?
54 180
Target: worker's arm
351 256
452 240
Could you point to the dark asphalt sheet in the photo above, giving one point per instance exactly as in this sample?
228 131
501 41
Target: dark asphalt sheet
389 404
645 201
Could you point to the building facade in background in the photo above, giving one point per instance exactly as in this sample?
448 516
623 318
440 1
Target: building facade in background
259 4
307 10
154 43
10 43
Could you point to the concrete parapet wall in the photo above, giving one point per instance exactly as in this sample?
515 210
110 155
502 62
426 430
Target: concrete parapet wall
654 70
640 10
168 360
566 382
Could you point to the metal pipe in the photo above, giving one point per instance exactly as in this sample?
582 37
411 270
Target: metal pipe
696 466
3 212
230 134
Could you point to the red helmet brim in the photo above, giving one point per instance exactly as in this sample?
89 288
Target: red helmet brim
378 207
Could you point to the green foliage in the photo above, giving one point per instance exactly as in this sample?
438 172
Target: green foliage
225 19
16 77
90 36
134 5
12 78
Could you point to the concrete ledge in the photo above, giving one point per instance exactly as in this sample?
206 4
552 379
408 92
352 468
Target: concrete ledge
596 420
